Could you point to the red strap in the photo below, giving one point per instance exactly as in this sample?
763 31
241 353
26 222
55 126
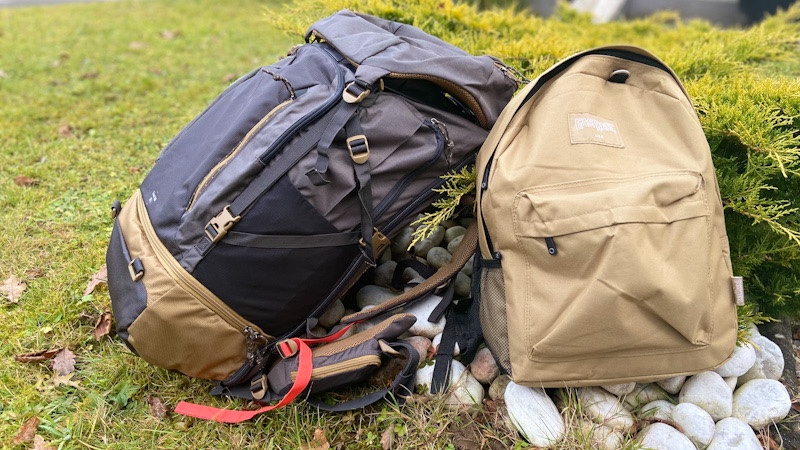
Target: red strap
304 367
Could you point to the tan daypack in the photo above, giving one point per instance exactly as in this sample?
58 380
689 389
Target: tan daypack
603 252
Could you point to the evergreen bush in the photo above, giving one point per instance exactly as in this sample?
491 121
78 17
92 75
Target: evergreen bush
743 82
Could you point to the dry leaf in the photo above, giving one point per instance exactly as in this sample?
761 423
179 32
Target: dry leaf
170 34
34 273
12 288
157 407
103 326
24 181
387 438
40 444
319 442
136 45
229 78
65 131
64 362
64 380
44 355
27 431
3 74
98 278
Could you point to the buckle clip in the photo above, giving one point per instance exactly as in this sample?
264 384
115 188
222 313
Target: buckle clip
287 348
379 243
359 148
355 91
258 387
136 269
218 226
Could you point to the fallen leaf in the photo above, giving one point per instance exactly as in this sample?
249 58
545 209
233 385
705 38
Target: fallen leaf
34 273
103 326
12 288
170 34
24 181
387 438
157 407
136 45
64 380
229 78
44 355
65 131
27 431
40 444
64 362
98 278
3 74
90 75
318 442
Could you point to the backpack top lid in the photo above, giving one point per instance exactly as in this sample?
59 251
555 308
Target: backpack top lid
382 48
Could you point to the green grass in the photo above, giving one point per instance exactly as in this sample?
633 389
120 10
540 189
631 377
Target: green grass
89 94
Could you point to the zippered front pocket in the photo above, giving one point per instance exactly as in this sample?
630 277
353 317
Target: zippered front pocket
210 341
603 249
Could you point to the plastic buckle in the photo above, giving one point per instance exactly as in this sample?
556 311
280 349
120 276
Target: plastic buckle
379 243
355 91
287 348
136 269
359 148
218 226
258 387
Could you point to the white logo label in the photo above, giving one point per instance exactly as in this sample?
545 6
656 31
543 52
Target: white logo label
585 128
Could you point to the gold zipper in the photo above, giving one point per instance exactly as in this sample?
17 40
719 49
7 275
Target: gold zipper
186 281
341 367
224 162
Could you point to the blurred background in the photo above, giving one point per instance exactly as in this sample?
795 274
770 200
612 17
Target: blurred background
720 12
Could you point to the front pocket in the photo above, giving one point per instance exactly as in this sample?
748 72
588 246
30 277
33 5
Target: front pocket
615 266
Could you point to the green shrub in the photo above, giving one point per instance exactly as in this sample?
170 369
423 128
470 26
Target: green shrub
743 82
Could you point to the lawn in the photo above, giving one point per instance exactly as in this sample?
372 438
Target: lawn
89 95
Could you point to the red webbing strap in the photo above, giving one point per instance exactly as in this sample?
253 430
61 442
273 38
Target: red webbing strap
304 367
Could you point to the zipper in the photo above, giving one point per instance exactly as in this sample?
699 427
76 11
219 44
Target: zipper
443 145
551 246
224 162
453 89
343 367
484 187
186 281
290 132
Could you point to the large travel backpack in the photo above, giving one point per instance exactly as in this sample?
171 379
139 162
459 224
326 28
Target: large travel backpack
603 252
270 204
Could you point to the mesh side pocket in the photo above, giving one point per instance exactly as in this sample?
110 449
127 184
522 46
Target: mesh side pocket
492 298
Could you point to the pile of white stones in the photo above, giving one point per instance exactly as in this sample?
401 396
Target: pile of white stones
719 409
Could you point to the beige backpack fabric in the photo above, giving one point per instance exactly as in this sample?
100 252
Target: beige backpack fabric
603 252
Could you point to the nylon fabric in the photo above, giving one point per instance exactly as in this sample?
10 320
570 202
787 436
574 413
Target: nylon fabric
601 229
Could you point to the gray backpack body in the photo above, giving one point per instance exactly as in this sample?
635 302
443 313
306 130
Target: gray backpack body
271 203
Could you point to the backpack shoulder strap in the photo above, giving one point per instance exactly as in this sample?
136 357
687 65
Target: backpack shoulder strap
460 257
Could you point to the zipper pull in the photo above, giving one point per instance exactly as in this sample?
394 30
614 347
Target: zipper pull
448 150
256 343
551 246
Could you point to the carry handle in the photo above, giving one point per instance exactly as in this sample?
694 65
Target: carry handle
465 250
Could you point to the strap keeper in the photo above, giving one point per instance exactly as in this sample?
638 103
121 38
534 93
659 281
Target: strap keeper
136 269
355 91
218 226
287 348
359 148
258 387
